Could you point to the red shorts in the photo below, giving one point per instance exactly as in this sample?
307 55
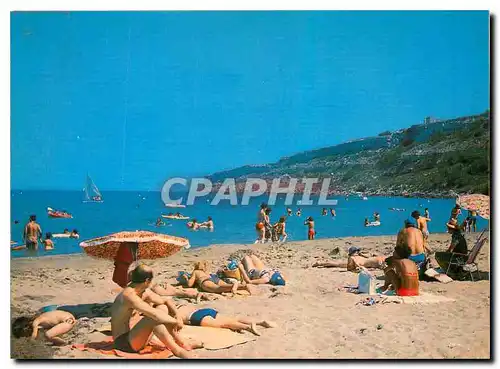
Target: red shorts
311 233
407 292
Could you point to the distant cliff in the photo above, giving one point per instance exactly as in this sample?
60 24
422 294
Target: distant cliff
435 159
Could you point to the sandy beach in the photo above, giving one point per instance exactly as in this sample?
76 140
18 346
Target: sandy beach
316 319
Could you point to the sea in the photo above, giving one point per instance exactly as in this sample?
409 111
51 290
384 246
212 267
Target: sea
234 224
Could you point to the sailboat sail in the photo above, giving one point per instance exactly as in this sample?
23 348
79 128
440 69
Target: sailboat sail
91 191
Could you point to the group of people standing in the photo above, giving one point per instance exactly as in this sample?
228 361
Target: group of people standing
32 236
267 231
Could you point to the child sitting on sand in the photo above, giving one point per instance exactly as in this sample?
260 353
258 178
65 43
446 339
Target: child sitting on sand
54 323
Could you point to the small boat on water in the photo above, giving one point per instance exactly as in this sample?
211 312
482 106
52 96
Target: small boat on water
182 217
58 214
91 192
175 206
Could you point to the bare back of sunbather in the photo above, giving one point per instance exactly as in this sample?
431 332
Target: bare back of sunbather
414 238
354 262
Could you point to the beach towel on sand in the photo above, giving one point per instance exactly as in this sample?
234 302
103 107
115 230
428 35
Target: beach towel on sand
212 338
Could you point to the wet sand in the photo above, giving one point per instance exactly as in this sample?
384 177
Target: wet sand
316 319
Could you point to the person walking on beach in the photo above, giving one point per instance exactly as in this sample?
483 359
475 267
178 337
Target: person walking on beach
155 319
32 233
421 224
311 232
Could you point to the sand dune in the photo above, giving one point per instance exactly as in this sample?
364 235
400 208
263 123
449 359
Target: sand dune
316 319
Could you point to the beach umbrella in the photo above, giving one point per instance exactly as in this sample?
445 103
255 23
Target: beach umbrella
149 245
477 202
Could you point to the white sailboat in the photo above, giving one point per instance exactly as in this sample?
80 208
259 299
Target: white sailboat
91 192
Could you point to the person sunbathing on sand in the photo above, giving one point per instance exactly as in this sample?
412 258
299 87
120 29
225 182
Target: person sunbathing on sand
54 324
208 317
401 274
210 282
166 289
354 261
254 271
157 320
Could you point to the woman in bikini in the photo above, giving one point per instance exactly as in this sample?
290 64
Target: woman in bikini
260 225
311 232
401 274
254 271
210 282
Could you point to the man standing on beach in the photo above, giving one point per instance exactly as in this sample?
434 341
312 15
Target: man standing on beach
422 225
32 233
157 320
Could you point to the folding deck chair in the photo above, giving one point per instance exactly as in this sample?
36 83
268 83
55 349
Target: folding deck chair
467 262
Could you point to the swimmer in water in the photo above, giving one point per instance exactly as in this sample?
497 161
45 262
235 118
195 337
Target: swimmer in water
332 212
324 212
299 212
159 222
48 244
289 212
367 222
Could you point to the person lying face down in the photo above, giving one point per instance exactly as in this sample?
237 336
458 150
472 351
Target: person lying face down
209 317
207 282
401 274
354 261
254 271
54 324
137 298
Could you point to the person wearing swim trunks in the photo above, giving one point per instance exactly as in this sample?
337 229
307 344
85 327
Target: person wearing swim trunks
421 224
208 317
54 324
280 230
412 236
311 232
156 320
32 233
401 274
210 282
254 271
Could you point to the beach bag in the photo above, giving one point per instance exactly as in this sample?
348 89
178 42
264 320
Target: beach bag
366 282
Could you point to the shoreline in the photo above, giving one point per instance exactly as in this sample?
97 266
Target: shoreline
219 245
316 318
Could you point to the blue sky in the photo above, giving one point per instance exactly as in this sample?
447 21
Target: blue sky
135 98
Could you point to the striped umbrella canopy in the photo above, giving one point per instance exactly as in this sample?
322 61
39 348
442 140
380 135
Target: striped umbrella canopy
477 202
150 245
